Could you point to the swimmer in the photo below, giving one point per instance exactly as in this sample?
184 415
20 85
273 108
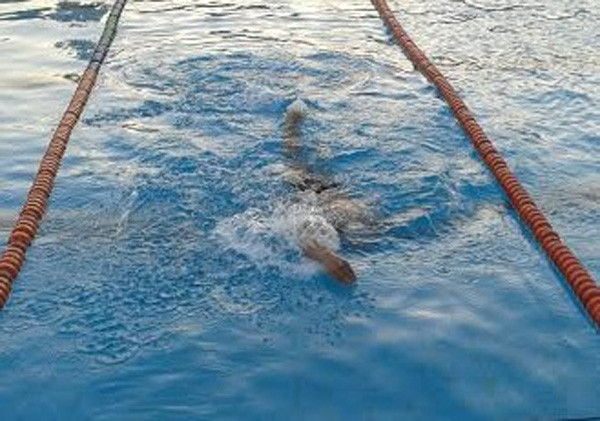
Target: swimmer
340 211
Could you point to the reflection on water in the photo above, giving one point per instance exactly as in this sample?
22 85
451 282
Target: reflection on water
164 274
64 11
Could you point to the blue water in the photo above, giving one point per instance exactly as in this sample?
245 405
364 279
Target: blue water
162 286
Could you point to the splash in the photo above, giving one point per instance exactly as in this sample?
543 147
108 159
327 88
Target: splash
271 237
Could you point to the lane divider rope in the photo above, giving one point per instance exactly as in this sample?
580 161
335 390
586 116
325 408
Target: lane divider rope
35 205
578 278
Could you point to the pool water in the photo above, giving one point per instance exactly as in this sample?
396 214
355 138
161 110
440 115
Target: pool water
164 284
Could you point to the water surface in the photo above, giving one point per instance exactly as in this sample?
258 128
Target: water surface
162 285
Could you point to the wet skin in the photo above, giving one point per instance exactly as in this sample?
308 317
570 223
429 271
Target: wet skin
334 265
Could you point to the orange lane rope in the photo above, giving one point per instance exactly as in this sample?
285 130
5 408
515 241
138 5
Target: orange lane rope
580 281
34 208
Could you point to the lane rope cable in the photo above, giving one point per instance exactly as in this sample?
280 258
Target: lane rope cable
578 278
35 205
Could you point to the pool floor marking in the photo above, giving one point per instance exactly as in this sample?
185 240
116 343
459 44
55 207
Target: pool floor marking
578 278
35 205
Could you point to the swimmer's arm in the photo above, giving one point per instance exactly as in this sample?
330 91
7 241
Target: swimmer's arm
334 265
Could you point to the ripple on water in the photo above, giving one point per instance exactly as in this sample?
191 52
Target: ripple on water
167 273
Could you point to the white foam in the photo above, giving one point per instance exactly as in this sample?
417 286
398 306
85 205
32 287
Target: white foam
267 237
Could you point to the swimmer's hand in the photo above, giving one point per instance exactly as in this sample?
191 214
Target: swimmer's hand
334 265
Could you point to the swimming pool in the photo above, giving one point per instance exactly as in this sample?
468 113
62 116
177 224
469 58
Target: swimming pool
161 285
